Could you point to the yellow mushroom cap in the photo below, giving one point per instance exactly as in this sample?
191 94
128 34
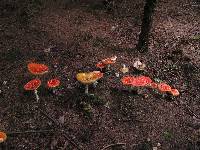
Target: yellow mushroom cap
89 78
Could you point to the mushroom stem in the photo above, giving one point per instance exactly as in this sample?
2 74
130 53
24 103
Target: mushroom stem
86 89
108 67
36 95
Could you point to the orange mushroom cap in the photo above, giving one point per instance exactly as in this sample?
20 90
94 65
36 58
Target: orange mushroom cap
33 84
100 65
37 69
53 83
110 60
174 92
141 81
163 87
3 137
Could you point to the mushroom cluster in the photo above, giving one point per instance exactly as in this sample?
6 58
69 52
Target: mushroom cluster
144 81
34 84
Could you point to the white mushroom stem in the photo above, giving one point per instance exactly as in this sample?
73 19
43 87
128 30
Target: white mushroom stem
108 67
86 89
36 95
123 65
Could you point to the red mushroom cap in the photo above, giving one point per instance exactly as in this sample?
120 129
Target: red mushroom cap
33 84
127 80
154 85
53 83
97 74
141 81
100 65
174 92
37 69
110 60
163 87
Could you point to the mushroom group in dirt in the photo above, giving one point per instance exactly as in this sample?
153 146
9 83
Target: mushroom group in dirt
89 78
3 136
37 69
33 85
106 62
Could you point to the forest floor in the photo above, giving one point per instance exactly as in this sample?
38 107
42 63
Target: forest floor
73 38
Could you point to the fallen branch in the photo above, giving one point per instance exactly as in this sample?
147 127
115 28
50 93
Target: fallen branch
62 128
30 131
113 145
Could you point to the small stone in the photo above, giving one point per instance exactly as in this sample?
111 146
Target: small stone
155 148
158 144
117 74
5 82
148 139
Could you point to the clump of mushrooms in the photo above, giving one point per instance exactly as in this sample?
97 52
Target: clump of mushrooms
33 85
3 136
89 78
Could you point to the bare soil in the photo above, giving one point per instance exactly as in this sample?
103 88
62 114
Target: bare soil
73 37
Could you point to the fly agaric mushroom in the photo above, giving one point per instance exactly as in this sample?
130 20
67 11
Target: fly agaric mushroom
3 136
163 87
109 61
33 85
37 69
174 92
100 65
53 83
127 80
89 78
141 81
154 85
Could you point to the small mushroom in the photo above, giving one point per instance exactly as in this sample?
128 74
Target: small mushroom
3 136
37 69
124 69
53 83
174 92
139 65
109 61
88 78
163 87
100 65
33 85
